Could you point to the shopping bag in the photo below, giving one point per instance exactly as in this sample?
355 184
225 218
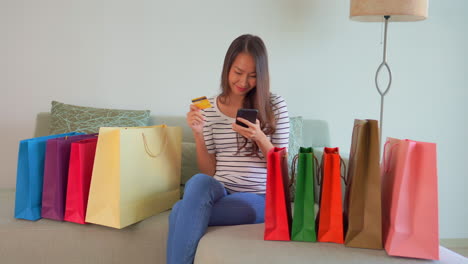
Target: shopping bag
79 178
30 175
278 216
56 163
136 174
303 223
409 199
330 216
362 206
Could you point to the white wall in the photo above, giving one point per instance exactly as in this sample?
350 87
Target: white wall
159 54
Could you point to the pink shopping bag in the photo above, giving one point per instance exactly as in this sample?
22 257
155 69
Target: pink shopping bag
79 179
409 199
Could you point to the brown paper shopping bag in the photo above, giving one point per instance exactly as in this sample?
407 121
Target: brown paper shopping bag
362 208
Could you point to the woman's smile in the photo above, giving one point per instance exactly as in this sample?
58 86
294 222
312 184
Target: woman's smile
241 89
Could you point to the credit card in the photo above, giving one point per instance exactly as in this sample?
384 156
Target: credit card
201 102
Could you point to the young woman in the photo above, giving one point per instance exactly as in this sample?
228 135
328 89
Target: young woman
230 190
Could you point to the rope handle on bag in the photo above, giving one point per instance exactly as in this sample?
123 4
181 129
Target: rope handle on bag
293 170
148 150
317 165
320 171
342 166
386 158
343 176
352 154
384 163
354 139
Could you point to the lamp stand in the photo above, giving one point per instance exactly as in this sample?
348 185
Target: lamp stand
383 64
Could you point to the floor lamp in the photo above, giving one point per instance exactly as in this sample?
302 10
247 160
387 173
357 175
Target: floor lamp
387 11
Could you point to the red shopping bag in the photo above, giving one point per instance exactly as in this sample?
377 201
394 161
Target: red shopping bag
409 199
278 217
330 216
79 179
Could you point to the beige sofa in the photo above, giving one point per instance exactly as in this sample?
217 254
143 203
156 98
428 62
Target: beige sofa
48 241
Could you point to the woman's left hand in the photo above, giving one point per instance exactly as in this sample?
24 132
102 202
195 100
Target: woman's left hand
252 132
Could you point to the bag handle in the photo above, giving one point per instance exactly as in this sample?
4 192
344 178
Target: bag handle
317 165
386 158
353 149
293 170
354 138
342 173
320 171
148 150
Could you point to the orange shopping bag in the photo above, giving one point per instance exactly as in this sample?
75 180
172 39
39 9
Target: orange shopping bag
409 199
330 216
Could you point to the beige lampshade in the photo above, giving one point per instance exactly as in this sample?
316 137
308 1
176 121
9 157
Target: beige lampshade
398 10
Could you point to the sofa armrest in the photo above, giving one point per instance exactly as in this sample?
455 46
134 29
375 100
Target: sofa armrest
42 124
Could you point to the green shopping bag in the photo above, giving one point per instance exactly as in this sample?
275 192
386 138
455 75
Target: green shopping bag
303 225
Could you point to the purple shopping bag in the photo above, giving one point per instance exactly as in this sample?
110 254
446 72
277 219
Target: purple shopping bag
56 175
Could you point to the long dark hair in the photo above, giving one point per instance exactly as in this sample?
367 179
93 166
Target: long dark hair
259 97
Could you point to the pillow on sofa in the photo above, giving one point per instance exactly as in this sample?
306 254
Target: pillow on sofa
189 164
67 118
295 142
189 161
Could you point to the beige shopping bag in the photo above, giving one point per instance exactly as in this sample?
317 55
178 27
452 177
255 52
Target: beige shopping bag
136 174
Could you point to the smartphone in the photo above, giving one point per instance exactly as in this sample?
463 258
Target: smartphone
249 114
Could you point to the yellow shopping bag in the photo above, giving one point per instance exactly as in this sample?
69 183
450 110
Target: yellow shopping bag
136 174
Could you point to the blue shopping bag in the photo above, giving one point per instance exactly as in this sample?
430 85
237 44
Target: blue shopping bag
30 175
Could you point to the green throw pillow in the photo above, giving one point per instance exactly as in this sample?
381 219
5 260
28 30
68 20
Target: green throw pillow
189 161
67 118
189 164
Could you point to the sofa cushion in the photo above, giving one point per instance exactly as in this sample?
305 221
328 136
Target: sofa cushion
189 161
49 241
295 142
245 244
67 118
189 164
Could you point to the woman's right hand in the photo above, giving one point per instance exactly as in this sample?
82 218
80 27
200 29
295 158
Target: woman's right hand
195 119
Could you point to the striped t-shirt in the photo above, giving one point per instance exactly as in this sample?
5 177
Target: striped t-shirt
237 171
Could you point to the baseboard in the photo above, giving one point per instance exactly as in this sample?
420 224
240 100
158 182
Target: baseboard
454 242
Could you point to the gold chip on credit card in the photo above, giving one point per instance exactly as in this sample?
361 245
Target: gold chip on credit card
201 102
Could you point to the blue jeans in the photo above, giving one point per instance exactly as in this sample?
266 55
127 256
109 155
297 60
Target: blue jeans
207 203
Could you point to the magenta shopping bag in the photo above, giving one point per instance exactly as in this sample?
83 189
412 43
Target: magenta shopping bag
409 199
54 190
